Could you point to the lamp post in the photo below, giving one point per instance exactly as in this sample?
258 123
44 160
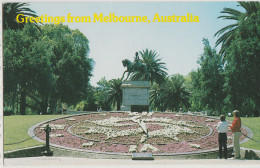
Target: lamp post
47 151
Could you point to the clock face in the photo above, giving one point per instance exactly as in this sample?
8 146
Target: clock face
127 132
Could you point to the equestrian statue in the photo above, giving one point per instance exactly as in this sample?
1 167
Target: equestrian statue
132 67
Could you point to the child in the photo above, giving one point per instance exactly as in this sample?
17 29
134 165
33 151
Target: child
222 128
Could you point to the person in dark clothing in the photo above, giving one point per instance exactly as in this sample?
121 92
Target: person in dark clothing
222 128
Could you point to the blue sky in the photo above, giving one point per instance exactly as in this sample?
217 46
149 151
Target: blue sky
178 44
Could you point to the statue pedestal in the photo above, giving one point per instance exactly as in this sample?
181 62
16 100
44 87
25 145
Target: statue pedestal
135 96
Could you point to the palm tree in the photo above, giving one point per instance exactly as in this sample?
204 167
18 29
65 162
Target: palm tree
156 101
171 95
10 12
228 33
156 70
114 93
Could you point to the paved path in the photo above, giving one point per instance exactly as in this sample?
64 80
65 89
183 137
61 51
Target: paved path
84 162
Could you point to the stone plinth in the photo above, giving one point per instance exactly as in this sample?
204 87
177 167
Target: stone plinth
135 96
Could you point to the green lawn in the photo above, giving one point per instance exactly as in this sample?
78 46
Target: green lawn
254 124
16 129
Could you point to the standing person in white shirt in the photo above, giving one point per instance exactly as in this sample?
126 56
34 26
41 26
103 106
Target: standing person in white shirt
222 128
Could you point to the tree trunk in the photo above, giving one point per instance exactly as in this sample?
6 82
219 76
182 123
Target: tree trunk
118 104
23 98
43 106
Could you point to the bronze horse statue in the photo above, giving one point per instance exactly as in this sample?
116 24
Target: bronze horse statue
135 66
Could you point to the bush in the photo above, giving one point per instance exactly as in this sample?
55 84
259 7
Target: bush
8 111
80 106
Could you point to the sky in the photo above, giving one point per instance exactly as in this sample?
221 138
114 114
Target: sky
178 44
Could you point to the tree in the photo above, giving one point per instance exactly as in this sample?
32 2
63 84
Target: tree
228 33
156 70
114 93
156 100
171 95
242 67
212 78
69 62
195 88
101 91
10 12
25 63
46 68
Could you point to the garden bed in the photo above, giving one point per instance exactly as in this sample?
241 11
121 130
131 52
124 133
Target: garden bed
123 132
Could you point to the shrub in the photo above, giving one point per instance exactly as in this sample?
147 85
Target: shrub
8 111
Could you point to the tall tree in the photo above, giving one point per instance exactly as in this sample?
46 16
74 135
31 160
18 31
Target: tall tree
10 12
227 34
156 70
197 93
212 77
70 63
48 67
243 67
25 62
114 92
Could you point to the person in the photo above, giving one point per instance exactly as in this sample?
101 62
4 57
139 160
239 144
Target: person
235 127
48 110
222 128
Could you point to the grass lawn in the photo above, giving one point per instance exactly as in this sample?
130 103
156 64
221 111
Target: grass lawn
254 124
16 129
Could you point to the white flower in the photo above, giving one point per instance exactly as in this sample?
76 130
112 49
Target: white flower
148 146
132 113
71 119
144 113
54 127
112 133
136 119
195 146
150 113
143 139
133 148
209 120
112 121
57 135
88 144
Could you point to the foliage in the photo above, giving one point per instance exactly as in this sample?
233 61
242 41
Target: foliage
69 62
89 104
212 78
25 63
10 12
45 68
195 88
8 111
156 70
242 67
114 93
207 83
101 91
171 95
109 94
228 33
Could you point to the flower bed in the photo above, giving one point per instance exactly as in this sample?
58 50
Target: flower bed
125 132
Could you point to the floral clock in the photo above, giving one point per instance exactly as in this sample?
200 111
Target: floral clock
129 132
